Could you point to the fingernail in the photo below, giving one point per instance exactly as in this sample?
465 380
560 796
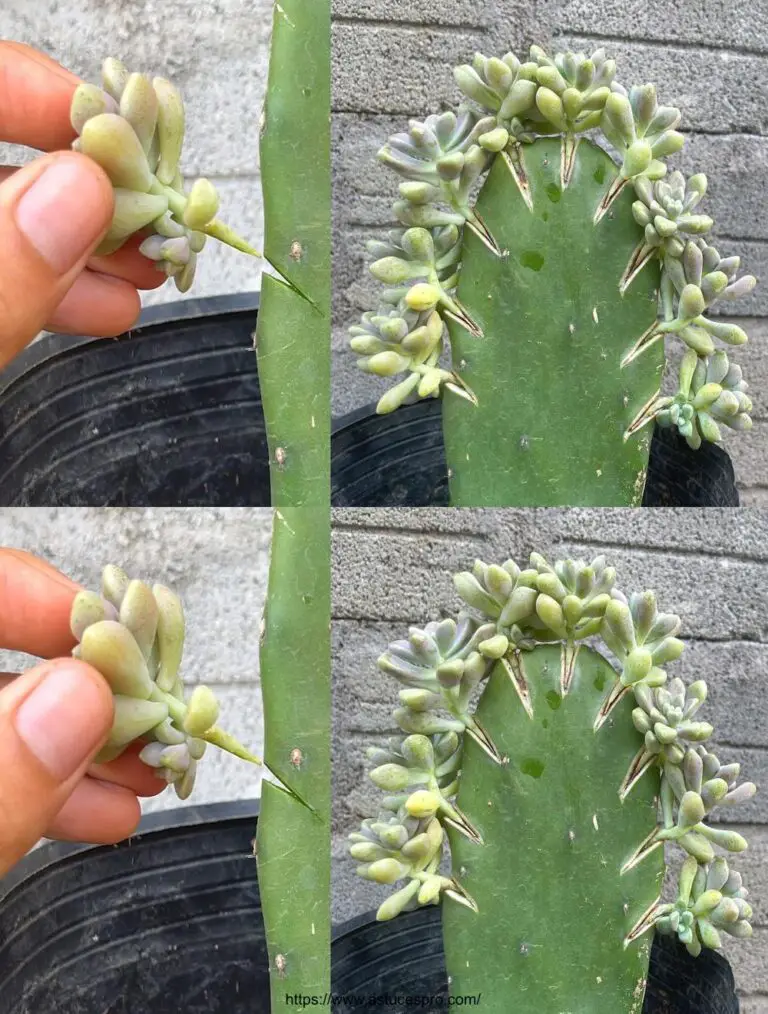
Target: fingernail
58 213
56 720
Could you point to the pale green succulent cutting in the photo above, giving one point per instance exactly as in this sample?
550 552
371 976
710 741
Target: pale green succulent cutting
134 636
556 773
558 273
133 126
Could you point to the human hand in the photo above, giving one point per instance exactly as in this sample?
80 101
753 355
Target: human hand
53 214
53 720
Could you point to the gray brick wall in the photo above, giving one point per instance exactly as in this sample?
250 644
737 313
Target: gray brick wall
217 52
393 568
216 560
393 60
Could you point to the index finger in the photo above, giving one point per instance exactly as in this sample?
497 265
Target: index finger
35 603
35 97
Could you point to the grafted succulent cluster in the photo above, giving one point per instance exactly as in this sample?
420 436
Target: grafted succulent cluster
133 126
440 667
406 841
710 900
441 160
711 391
134 636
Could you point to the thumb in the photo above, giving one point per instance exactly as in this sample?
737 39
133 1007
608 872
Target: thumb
53 214
53 720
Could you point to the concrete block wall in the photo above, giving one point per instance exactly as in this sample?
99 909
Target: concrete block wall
393 60
216 560
217 52
393 568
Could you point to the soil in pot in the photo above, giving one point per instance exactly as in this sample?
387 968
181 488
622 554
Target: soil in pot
404 958
167 415
168 921
398 460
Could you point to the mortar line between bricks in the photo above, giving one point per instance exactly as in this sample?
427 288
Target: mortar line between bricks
689 132
712 47
730 642
405 114
406 621
743 640
409 621
235 174
661 550
363 21
733 642
755 825
738 239
729 744
356 225
348 526
366 226
228 685
737 134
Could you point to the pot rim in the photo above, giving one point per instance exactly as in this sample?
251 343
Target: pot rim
341 422
51 853
51 346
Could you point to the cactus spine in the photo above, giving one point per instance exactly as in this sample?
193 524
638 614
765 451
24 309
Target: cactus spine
134 636
556 793
293 349
558 286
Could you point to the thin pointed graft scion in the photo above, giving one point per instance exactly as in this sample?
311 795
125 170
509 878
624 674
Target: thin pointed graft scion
642 852
642 762
643 343
516 166
617 692
645 416
516 671
645 923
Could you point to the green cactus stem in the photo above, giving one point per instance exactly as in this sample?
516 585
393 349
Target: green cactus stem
293 835
553 402
559 276
134 636
549 878
293 351
556 793
292 336
133 126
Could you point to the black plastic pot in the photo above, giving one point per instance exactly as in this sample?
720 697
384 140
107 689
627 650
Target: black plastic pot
398 460
168 921
404 957
166 415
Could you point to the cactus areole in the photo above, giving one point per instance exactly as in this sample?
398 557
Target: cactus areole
556 776
559 276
